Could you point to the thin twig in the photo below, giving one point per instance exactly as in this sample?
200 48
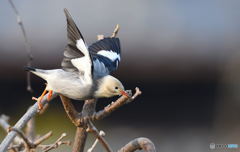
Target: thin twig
43 138
28 143
101 133
31 112
26 43
5 125
100 37
56 144
115 32
4 122
139 144
93 129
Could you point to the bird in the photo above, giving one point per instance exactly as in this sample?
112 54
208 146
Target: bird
85 70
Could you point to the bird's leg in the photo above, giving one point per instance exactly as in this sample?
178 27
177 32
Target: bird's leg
39 99
49 95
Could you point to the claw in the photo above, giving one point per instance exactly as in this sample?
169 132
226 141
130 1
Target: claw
39 100
49 95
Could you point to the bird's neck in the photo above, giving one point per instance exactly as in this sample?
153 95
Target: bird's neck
101 90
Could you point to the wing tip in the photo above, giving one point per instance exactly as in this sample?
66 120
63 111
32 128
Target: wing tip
67 14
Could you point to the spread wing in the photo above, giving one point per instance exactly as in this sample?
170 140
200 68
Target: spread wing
76 55
105 55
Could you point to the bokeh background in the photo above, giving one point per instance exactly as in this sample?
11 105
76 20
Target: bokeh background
184 55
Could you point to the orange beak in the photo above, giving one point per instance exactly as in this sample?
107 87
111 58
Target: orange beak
124 93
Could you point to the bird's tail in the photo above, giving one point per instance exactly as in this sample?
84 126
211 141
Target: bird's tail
39 72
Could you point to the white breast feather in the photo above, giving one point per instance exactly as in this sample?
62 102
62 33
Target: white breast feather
109 54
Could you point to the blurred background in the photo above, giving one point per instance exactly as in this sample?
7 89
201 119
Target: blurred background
184 56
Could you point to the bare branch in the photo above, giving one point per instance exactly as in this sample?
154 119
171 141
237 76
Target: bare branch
56 144
115 32
93 129
101 133
26 43
43 138
72 113
5 125
4 122
100 37
115 105
31 112
81 133
30 129
139 144
27 143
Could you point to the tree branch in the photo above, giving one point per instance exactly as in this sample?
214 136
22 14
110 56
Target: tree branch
93 129
72 113
31 112
115 32
81 133
28 144
5 125
26 43
56 144
101 133
115 105
139 144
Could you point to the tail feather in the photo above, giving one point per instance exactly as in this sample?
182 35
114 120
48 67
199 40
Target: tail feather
29 69
41 73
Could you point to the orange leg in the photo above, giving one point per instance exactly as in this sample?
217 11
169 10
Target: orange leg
40 106
49 95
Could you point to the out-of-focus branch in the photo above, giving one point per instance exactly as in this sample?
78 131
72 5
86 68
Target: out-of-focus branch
93 129
101 133
26 43
30 129
5 125
115 32
43 138
56 144
28 144
4 122
139 144
115 105
31 112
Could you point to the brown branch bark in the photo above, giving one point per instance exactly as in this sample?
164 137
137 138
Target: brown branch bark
93 129
72 113
81 133
115 105
139 144
80 120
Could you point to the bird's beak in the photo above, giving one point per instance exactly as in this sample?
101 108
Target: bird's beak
124 93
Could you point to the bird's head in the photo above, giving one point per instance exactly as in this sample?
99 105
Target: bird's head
109 86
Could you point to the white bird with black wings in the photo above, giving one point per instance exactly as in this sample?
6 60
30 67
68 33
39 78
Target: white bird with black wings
85 70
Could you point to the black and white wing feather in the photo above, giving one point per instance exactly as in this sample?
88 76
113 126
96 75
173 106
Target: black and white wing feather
106 55
76 55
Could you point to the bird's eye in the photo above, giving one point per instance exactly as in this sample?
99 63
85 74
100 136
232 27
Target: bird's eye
116 88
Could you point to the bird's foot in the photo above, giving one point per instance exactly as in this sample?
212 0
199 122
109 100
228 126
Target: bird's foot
39 100
49 95
40 106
